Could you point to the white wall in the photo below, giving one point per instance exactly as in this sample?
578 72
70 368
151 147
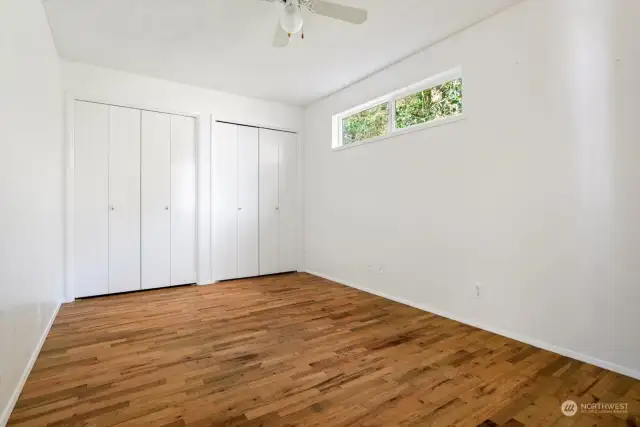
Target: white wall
93 83
31 221
535 195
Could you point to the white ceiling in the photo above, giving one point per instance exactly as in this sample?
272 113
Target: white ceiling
226 44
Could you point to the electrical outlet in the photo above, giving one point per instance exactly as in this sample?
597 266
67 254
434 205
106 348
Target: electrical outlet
478 290
381 270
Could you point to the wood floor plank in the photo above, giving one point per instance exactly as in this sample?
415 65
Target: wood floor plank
297 350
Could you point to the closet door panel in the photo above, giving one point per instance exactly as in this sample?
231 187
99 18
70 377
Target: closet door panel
124 199
248 215
91 214
269 142
288 202
156 200
224 201
183 200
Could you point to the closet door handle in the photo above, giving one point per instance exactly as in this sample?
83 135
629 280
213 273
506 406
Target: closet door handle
277 208
239 209
111 207
166 208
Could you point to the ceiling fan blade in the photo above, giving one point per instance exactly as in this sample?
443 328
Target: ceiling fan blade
338 11
280 38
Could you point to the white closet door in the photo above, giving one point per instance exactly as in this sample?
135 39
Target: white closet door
183 200
91 214
156 200
124 199
248 212
224 201
288 202
269 235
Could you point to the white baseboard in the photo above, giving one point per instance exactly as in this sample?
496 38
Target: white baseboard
528 340
4 417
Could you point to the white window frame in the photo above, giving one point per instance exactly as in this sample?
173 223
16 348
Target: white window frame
391 99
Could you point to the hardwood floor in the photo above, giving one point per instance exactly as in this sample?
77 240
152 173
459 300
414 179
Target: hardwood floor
297 350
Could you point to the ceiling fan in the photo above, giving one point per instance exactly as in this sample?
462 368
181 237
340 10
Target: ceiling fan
291 21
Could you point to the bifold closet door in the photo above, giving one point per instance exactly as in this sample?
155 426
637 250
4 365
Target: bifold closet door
183 200
156 200
224 204
91 189
124 199
269 233
248 211
288 202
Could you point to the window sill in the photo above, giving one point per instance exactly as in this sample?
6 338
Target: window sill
403 131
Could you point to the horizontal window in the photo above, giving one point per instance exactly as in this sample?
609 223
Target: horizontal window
431 104
366 124
433 101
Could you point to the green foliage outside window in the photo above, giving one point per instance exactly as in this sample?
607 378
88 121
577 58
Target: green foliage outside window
435 103
366 124
431 104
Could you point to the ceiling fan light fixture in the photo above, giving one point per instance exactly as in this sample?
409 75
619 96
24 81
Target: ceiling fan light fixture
291 20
